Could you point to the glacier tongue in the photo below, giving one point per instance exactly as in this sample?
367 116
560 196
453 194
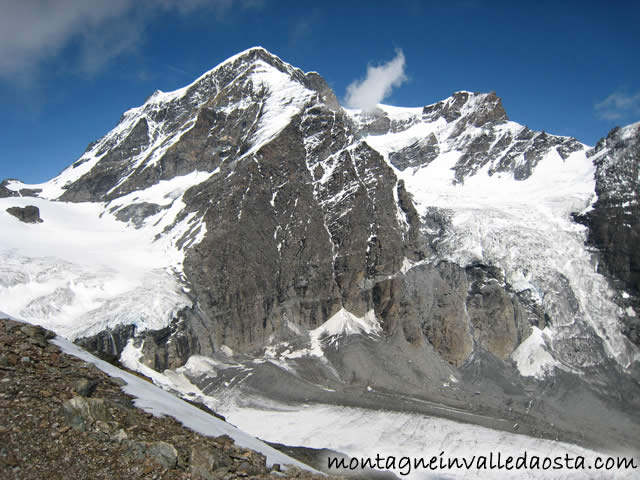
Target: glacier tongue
363 433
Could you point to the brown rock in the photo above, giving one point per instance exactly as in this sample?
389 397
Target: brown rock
205 461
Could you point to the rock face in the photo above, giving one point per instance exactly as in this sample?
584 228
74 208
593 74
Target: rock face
614 226
28 214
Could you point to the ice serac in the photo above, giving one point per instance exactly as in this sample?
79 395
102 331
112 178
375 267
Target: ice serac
350 257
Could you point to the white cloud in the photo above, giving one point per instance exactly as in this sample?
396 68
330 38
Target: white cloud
366 94
618 106
34 31
31 31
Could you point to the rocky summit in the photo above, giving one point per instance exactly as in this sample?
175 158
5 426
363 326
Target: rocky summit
260 241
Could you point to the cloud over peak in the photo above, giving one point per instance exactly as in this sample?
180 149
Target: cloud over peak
618 106
377 85
34 31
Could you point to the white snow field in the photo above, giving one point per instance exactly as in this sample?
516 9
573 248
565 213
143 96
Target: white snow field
81 270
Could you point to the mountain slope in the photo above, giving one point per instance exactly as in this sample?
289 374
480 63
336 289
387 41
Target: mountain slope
78 419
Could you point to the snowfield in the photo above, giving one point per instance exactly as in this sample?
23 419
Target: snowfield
82 271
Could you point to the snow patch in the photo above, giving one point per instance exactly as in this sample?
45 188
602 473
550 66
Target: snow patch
532 356
199 365
342 323
285 99
226 351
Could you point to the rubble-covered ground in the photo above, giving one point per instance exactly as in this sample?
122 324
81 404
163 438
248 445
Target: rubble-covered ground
63 418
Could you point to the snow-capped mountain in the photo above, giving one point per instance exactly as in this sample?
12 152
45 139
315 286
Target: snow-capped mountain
247 234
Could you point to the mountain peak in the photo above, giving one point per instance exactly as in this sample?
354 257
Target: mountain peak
481 108
242 103
251 53
232 64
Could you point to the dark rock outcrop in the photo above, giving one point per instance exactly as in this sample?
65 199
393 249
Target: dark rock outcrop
465 310
420 153
159 352
28 214
6 192
614 221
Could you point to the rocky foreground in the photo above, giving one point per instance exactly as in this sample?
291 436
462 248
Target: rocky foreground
61 417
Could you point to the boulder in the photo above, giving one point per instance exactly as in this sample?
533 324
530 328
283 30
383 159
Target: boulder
28 214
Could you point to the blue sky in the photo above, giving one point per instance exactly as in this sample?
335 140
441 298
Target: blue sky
70 68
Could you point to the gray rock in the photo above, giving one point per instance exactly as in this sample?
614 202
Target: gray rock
85 387
36 332
205 461
28 214
81 413
134 449
420 153
120 436
6 192
137 213
614 228
109 343
494 312
162 453
118 381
